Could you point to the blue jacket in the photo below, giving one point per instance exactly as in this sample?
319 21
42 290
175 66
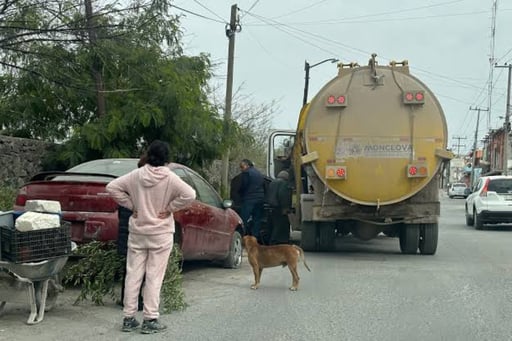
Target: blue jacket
252 186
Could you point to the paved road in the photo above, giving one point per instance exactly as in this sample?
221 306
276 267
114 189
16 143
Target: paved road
368 291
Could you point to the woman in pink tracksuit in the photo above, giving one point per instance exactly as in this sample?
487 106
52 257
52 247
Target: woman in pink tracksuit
153 193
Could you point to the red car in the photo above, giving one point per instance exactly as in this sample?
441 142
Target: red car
206 230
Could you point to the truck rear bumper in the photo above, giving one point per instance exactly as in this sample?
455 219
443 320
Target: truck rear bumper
409 213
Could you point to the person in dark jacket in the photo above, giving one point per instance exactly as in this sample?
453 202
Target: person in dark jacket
252 196
279 198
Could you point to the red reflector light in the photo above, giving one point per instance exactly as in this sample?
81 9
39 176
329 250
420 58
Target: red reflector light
331 99
413 170
419 96
340 172
409 96
21 199
341 99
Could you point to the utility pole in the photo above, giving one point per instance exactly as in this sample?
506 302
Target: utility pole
507 119
472 177
458 145
231 29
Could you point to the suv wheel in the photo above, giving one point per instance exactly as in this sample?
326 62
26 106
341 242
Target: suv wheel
479 225
469 218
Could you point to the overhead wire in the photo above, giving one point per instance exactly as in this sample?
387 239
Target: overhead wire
294 35
387 13
297 10
504 56
253 5
198 15
280 27
209 10
330 22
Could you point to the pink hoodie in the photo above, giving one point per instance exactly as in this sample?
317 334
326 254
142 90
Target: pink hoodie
148 191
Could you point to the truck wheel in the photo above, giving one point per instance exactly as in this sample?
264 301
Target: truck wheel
428 238
409 238
326 237
479 224
308 236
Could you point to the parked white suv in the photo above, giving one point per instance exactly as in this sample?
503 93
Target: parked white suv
490 202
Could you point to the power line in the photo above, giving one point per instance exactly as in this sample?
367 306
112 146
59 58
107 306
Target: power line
281 26
253 5
209 10
354 19
268 21
298 10
197 14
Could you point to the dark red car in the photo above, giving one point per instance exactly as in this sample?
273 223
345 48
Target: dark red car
206 230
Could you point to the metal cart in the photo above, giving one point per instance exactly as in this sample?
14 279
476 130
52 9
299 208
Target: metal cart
30 280
30 263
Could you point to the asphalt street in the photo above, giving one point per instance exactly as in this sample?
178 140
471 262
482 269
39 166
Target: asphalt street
364 291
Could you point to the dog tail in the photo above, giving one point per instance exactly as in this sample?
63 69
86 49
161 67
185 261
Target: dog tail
302 257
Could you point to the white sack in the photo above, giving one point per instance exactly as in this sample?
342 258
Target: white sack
48 206
30 221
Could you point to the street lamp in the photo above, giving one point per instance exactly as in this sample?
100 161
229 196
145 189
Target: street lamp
306 78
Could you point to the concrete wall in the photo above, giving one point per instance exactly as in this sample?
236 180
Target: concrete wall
20 159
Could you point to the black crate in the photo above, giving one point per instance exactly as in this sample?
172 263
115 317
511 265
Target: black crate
36 245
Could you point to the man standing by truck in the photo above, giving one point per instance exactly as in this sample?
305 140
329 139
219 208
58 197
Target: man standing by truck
279 198
252 195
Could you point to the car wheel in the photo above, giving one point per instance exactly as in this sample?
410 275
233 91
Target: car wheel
234 258
409 238
428 238
479 225
450 196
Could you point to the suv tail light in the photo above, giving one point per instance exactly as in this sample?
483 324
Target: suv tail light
483 193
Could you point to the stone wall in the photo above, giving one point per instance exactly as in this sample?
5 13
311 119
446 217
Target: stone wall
20 159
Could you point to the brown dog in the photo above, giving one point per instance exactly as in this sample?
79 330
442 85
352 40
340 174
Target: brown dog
261 256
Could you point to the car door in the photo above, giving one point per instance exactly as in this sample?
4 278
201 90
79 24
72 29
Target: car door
215 231
190 222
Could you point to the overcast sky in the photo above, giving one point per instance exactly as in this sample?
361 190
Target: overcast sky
447 43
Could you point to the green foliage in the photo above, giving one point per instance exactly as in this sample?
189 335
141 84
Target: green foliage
100 267
172 295
96 272
7 197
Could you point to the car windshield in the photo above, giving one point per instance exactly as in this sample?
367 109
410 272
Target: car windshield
503 186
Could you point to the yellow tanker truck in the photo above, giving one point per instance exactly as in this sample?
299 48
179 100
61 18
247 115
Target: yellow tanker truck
366 159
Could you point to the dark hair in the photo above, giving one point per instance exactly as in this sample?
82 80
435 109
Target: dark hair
248 162
143 160
158 153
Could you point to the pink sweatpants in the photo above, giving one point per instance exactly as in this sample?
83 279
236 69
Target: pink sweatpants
149 255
